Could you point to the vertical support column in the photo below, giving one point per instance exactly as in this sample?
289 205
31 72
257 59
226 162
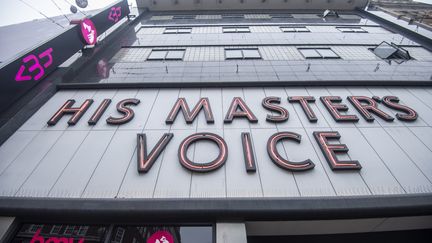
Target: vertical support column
231 232
6 225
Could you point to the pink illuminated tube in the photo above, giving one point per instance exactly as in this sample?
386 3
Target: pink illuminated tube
393 102
334 105
284 163
203 167
304 103
146 161
67 108
366 109
330 150
189 115
127 112
248 152
99 112
239 109
267 103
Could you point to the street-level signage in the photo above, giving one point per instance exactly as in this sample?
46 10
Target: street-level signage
369 108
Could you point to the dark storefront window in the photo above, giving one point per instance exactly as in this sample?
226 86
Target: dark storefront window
112 233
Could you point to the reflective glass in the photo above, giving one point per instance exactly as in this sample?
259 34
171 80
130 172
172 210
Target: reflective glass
327 53
184 30
243 29
229 30
157 55
251 54
233 54
302 29
384 50
175 55
310 53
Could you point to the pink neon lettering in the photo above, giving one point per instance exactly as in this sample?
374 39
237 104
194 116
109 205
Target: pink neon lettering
47 53
115 14
35 66
39 239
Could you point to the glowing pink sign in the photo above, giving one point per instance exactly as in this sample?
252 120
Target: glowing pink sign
88 31
115 14
35 65
161 237
39 239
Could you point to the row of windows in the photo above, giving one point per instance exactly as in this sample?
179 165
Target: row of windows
61 230
243 16
241 53
246 29
383 51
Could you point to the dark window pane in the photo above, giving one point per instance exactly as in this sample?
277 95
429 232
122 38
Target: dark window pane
73 233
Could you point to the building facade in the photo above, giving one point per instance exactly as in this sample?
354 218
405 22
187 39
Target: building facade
227 121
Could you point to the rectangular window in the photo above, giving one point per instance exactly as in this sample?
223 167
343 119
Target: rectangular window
178 30
88 233
82 230
69 230
34 227
390 52
294 29
281 16
118 237
232 16
236 30
351 30
160 54
184 17
56 229
317 53
247 53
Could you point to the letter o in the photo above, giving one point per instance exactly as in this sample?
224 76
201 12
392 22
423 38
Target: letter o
204 167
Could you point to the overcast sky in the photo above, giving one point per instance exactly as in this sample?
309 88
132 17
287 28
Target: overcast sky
15 11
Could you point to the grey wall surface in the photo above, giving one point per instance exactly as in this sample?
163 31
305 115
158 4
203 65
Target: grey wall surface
99 161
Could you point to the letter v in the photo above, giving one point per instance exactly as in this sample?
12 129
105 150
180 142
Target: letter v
145 161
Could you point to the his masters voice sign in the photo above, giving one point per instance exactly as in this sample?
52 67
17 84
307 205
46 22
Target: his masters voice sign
368 107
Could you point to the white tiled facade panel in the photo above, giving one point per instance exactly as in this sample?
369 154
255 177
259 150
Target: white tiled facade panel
84 161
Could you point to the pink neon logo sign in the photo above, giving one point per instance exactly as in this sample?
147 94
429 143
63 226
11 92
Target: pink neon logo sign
88 31
39 239
35 65
161 237
115 14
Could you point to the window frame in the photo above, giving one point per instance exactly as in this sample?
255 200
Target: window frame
295 29
281 16
117 234
316 50
395 56
351 29
68 227
183 16
243 55
56 226
166 54
82 230
34 228
177 30
232 16
236 29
